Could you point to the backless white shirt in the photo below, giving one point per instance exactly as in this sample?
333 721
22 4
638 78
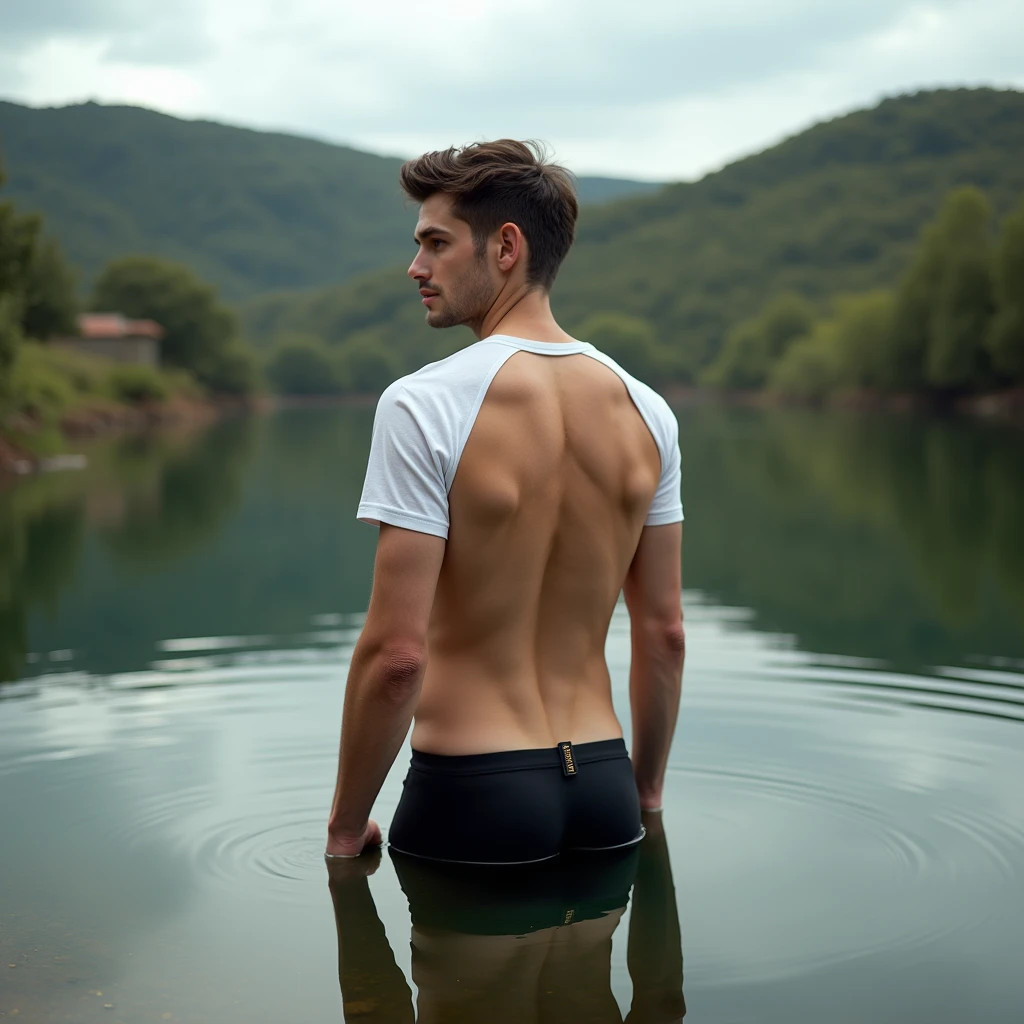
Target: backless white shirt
424 420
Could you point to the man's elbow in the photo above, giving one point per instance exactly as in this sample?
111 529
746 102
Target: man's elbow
666 636
673 637
402 664
393 671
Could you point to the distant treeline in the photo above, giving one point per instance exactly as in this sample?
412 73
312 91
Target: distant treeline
835 210
953 325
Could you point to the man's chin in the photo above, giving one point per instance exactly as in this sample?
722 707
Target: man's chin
437 319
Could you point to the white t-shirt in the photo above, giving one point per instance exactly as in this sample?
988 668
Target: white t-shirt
424 420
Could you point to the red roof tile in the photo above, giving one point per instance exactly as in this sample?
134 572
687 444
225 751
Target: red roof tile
114 325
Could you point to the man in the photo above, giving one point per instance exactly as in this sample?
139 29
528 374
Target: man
519 486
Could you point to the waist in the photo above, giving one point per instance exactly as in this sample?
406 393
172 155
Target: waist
458 714
518 760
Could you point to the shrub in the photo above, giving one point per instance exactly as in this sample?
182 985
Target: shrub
631 342
753 346
365 366
233 370
137 383
303 365
810 369
37 387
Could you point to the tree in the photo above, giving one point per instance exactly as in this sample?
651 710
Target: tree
631 342
743 362
752 347
10 339
964 307
51 305
945 303
810 367
36 286
1005 339
232 370
17 235
862 331
199 331
301 364
366 366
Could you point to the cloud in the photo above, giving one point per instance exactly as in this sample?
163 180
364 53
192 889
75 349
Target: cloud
657 89
131 31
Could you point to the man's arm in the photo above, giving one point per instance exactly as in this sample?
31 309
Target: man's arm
653 591
383 681
654 955
373 987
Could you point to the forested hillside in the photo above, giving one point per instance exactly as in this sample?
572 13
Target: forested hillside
836 209
248 211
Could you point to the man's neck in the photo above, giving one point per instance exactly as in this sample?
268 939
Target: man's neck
524 313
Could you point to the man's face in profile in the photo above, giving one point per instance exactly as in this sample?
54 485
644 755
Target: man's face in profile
454 278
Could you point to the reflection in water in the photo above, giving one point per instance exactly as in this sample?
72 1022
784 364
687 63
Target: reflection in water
885 537
188 493
40 543
151 499
518 945
888 538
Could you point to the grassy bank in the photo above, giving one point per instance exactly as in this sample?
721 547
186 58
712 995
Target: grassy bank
52 395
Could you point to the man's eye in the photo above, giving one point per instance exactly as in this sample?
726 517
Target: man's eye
437 243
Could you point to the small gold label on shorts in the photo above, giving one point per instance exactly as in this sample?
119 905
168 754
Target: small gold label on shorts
568 759
569 914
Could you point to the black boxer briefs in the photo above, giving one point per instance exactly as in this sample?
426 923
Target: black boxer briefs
518 806
488 899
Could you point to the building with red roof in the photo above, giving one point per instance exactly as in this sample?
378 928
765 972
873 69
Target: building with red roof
116 337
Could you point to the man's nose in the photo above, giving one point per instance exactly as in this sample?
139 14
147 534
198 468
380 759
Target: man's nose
416 270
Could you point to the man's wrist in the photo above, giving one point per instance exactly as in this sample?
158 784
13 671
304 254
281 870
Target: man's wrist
650 797
342 828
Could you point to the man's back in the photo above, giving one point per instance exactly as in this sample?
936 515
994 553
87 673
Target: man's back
550 470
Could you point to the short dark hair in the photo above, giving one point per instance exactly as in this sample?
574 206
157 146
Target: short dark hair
491 183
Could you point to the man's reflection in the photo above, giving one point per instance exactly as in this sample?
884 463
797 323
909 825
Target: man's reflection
521 944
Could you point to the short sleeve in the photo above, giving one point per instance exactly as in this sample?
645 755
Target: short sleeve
405 479
667 505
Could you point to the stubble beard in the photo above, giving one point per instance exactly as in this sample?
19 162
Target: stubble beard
466 301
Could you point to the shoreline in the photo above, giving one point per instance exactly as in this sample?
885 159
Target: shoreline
107 419
1005 406
17 458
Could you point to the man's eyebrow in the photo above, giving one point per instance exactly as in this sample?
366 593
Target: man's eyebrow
429 231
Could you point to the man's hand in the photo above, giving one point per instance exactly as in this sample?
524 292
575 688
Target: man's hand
339 845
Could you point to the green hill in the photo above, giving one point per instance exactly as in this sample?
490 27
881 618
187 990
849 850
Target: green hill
837 208
249 211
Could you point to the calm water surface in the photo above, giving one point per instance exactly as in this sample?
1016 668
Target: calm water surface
844 828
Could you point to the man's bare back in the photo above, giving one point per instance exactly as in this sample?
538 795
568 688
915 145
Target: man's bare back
547 507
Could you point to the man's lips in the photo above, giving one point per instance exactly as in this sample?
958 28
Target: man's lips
427 296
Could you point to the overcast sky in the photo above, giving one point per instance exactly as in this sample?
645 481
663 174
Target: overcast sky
651 89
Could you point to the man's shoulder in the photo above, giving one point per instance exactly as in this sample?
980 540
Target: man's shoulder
653 402
451 377
441 396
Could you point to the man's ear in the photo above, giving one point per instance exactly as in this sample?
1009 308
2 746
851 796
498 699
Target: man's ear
511 247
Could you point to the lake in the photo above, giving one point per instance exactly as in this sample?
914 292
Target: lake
843 838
